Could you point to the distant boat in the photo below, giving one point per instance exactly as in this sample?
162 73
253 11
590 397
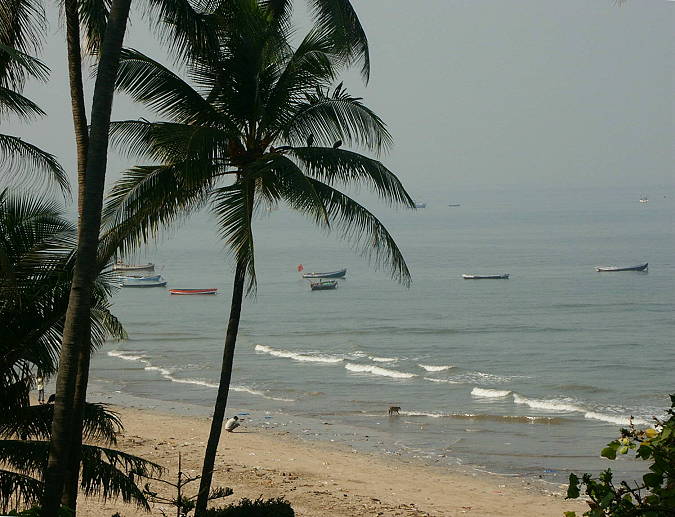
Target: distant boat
331 274
643 199
641 267
148 281
121 266
504 276
324 285
192 291
420 205
454 204
140 277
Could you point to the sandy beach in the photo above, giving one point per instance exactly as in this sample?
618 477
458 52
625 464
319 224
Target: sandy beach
318 476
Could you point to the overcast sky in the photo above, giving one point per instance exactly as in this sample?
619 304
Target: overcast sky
530 93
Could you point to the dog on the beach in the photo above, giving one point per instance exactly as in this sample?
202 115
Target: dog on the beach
393 410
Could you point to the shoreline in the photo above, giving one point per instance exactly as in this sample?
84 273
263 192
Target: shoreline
317 475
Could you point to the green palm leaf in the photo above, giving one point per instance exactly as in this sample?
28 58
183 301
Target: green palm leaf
19 158
15 487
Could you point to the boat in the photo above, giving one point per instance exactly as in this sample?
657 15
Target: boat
420 205
504 276
192 291
121 266
454 204
331 274
323 285
640 267
140 277
644 199
148 281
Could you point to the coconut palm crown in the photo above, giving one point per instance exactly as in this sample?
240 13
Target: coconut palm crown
258 122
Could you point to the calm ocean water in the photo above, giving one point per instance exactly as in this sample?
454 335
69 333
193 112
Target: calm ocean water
531 375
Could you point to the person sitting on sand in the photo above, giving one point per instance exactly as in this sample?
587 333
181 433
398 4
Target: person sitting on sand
232 424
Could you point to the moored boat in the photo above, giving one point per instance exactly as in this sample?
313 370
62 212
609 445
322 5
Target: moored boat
192 291
420 205
331 274
148 281
121 266
324 285
640 267
504 276
140 277
454 204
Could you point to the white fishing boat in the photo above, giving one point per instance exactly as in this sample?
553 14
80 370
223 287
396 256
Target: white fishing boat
144 281
639 267
122 266
503 276
644 199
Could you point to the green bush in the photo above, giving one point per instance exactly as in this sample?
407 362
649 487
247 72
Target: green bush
278 507
655 496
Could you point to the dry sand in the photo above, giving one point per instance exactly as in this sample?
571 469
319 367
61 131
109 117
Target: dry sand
320 478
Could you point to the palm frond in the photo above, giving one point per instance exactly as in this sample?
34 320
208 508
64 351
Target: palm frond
17 489
339 116
94 19
22 24
349 168
24 456
233 207
161 90
338 18
363 231
150 197
24 158
167 141
13 102
108 473
16 66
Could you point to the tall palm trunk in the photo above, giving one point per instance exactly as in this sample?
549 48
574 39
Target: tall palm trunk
69 496
223 391
85 270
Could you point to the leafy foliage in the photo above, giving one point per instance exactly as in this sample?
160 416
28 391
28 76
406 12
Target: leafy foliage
655 496
275 507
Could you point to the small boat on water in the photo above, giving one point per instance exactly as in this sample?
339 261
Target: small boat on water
144 281
121 266
504 276
454 204
420 205
640 267
323 285
644 199
140 277
331 274
192 291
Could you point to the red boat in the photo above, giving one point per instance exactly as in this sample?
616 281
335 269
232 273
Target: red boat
192 291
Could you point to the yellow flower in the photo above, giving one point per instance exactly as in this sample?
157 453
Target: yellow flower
651 433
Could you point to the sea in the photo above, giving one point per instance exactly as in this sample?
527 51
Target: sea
529 376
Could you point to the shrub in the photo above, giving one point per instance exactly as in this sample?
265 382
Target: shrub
655 496
278 507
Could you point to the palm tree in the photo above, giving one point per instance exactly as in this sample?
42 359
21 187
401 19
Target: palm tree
37 251
237 140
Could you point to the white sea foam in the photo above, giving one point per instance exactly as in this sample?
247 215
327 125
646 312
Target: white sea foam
614 419
376 370
444 381
383 359
318 358
423 413
127 356
551 405
167 374
487 393
432 368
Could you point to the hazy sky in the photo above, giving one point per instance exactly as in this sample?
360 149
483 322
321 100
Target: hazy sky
529 93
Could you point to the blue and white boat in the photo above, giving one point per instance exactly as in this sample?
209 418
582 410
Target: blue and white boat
143 281
330 274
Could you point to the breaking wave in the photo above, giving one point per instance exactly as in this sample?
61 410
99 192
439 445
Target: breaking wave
431 368
287 354
487 393
376 370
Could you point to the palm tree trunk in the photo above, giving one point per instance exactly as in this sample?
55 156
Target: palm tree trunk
223 391
69 496
84 273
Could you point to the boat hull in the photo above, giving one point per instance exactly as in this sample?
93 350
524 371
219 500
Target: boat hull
486 277
610 269
161 283
331 274
133 267
192 292
324 286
